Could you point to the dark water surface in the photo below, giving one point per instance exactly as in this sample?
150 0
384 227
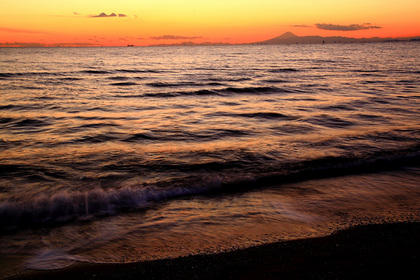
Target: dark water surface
127 154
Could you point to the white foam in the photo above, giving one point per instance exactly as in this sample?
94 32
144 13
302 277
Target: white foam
49 259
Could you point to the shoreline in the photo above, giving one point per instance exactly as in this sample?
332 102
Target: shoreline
377 250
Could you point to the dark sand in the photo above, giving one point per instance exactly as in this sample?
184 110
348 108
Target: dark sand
389 250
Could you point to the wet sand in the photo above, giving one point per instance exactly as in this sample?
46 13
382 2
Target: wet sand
387 250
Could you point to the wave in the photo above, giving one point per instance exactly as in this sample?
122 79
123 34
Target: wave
95 72
293 129
329 121
182 84
11 107
125 84
139 71
5 75
267 115
163 84
257 115
283 70
6 120
275 81
31 122
118 78
67 206
217 92
174 135
24 124
371 117
96 138
338 107
254 90
224 79
23 74
71 79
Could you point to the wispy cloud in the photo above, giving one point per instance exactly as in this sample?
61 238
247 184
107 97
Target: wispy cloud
351 27
13 30
300 25
42 45
104 15
174 37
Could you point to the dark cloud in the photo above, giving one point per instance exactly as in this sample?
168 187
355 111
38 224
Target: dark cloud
104 15
351 27
101 15
173 37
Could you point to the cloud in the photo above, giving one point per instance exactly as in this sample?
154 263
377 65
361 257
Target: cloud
174 37
300 25
13 30
351 27
42 45
104 15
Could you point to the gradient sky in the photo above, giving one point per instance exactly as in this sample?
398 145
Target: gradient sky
122 22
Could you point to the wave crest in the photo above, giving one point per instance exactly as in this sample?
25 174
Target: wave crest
68 206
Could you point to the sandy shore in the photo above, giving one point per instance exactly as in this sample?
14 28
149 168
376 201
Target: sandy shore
390 250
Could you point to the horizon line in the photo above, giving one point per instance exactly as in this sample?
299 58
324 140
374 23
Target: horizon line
190 43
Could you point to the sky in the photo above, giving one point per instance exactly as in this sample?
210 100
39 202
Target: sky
142 23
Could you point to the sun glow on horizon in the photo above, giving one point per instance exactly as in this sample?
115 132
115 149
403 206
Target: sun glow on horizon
118 23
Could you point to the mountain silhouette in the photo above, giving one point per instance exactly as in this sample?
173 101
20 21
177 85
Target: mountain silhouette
290 38
287 35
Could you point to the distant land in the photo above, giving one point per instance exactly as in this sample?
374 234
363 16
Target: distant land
290 38
196 44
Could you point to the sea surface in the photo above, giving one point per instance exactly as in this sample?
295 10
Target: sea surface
111 155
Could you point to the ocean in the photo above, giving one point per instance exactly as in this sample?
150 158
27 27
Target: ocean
114 155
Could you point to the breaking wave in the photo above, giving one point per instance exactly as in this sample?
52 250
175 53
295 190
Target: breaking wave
66 206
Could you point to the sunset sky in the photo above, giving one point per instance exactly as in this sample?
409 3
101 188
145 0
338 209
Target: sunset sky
122 22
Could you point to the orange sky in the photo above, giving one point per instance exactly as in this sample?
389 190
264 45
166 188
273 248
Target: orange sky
122 22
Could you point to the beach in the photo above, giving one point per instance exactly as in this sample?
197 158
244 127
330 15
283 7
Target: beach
362 252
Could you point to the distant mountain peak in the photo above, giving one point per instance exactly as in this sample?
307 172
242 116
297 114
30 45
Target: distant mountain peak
288 35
